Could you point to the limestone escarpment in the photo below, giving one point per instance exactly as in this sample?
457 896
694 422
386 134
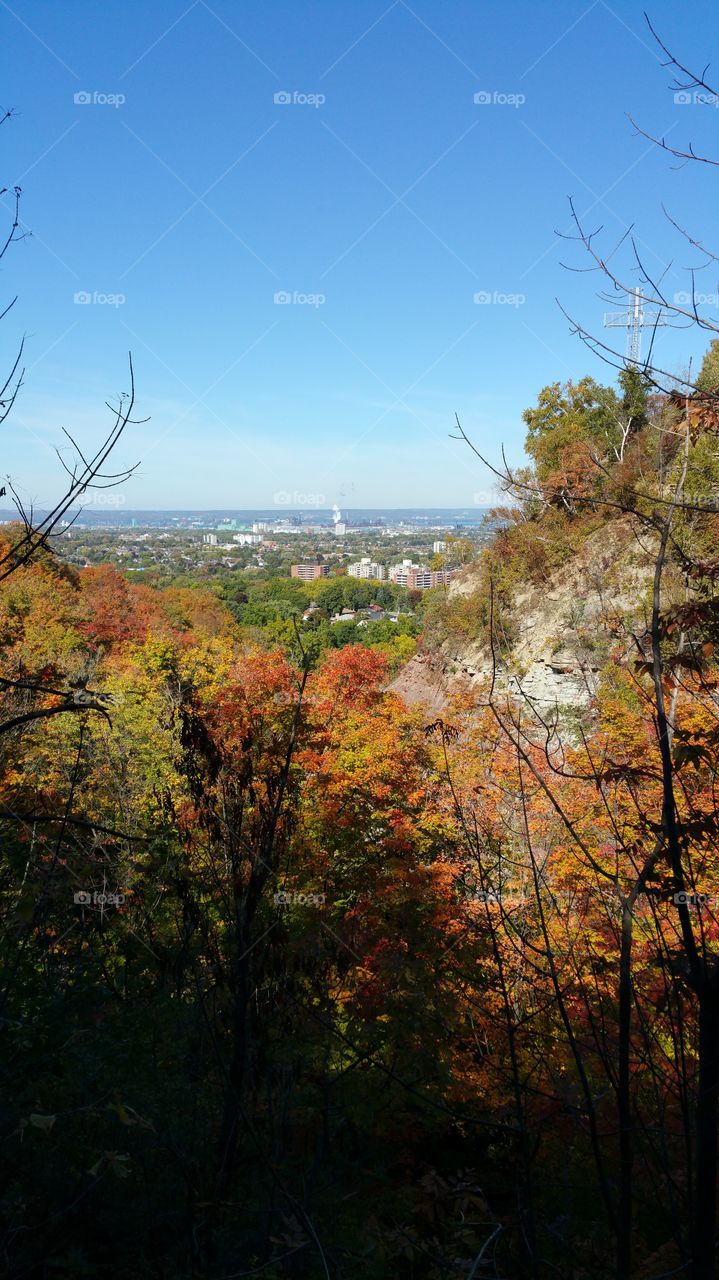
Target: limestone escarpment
563 628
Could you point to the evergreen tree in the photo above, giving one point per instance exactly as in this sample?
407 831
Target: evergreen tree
708 379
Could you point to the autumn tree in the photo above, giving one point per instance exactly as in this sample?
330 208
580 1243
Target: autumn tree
663 782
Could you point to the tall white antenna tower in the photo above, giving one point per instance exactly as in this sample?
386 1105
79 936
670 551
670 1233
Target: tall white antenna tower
634 319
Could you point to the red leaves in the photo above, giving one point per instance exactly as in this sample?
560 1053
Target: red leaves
117 611
352 675
685 617
111 614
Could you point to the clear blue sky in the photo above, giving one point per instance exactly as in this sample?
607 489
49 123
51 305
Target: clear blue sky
395 200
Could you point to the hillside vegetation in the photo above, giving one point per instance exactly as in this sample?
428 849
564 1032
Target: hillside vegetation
575 556
296 984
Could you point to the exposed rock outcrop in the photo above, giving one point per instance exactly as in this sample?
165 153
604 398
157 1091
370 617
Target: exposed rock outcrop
562 628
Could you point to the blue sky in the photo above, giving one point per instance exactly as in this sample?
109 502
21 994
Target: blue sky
182 198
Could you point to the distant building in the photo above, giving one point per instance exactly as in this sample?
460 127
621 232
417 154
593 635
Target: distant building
210 539
439 546
340 529
399 572
375 614
366 568
247 539
261 526
347 615
418 577
308 572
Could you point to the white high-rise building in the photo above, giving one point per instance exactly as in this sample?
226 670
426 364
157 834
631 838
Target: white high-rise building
399 573
419 577
366 568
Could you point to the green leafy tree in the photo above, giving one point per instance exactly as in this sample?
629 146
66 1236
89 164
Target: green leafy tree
708 379
634 398
570 425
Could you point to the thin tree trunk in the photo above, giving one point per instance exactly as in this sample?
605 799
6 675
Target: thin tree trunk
707 1114
626 1143
236 1079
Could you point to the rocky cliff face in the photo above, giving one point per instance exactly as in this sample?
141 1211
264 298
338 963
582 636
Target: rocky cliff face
562 628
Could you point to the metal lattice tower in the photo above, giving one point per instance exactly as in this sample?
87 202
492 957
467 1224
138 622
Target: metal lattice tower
634 319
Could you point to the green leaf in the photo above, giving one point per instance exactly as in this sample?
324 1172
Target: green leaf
42 1122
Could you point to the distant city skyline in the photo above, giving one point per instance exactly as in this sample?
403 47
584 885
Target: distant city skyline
276 515
323 230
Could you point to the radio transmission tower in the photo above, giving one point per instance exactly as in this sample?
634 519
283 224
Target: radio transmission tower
634 319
